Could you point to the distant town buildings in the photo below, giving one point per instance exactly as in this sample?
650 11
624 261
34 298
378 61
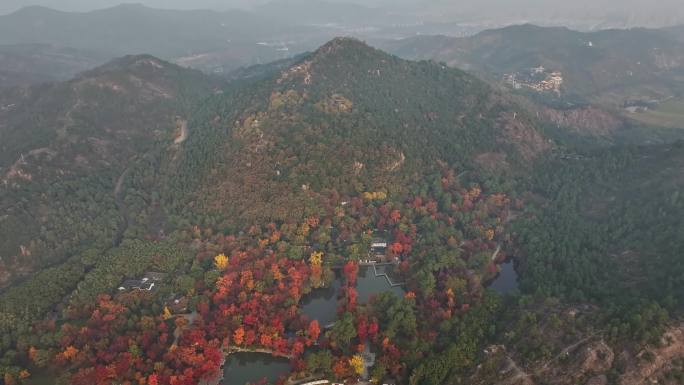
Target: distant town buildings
538 79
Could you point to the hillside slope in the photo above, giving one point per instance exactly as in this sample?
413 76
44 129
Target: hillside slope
619 211
351 119
247 195
24 65
65 146
346 118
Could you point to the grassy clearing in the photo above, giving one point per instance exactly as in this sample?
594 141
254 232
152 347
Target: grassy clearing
668 114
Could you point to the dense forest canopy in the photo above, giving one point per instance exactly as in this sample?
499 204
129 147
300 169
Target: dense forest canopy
240 199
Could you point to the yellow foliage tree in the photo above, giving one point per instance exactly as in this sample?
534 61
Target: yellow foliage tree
24 374
221 261
375 195
316 258
356 362
167 313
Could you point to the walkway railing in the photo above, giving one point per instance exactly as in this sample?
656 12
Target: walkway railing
389 280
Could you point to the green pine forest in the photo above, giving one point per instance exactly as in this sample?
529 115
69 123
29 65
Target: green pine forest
113 194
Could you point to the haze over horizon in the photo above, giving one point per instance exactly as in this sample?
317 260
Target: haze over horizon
600 13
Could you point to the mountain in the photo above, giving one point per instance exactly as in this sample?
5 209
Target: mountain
305 12
245 195
605 236
213 41
612 67
123 170
351 118
135 29
346 117
24 65
65 145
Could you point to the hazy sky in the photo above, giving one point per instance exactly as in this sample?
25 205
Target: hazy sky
662 11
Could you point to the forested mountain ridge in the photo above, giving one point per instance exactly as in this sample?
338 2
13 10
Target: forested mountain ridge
620 213
168 33
248 194
353 119
601 272
244 153
211 40
27 64
135 84
197 159
65 146
611 66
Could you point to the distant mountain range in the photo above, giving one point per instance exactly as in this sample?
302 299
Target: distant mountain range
225 40
135 29
611 66
38 63
615 69
581 14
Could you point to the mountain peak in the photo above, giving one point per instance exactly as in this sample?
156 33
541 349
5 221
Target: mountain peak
141 60
35 11
130 5
348 50
133 63
146 76
127 7
343 44
346 60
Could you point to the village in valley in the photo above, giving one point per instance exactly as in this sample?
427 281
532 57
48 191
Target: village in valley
538 79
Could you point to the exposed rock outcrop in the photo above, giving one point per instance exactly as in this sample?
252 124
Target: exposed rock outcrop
652 362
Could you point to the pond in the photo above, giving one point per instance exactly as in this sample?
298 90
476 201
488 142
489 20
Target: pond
507 279
321 304
368 284
250 368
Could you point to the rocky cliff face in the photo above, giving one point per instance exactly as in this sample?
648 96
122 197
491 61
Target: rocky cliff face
653 363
